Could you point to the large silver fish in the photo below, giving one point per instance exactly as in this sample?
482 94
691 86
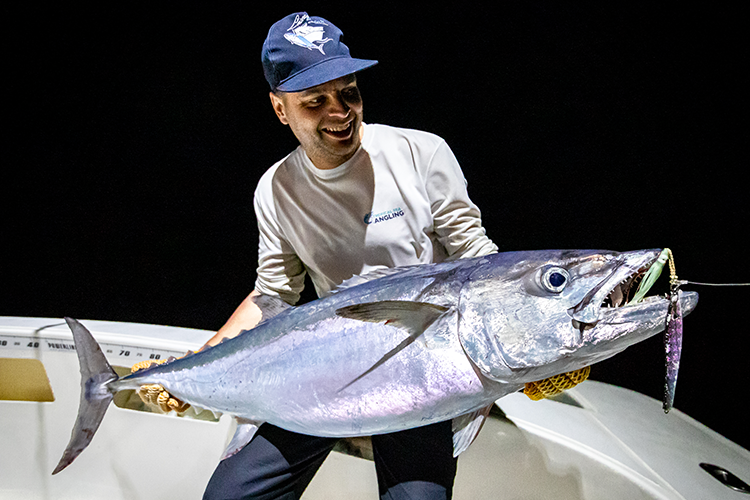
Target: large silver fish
408 347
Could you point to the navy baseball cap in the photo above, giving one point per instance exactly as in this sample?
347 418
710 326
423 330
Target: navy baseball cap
301 52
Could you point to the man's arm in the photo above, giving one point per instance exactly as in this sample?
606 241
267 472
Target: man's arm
457 220
246 316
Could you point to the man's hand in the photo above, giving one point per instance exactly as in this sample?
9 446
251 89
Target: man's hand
155 394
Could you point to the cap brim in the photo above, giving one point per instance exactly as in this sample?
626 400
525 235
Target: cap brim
325 71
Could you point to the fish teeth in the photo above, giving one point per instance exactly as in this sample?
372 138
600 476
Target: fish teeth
617 297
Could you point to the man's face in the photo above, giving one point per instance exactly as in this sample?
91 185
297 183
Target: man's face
325 119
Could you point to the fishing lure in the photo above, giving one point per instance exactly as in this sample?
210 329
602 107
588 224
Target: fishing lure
672 337
673 331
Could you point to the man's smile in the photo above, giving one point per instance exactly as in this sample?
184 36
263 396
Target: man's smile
343 131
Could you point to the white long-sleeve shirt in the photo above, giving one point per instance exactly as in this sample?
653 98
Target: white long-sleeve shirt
400 200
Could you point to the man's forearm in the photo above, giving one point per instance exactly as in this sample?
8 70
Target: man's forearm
246 316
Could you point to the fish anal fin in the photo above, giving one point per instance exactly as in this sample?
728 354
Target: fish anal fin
466 428
246 429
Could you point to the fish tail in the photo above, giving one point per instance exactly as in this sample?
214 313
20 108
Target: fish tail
96 374
320 45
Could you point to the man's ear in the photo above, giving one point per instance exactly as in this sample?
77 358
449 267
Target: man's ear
278 107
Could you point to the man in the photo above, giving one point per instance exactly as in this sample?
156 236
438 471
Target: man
350 199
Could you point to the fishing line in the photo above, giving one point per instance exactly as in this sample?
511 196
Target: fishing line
682 282
678 283
673 332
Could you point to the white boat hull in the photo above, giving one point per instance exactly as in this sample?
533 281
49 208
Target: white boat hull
601 441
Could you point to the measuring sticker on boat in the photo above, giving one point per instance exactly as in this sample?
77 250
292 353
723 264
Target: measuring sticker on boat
60 345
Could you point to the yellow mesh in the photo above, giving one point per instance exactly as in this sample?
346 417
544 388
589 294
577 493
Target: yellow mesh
555 385
145 364
155 394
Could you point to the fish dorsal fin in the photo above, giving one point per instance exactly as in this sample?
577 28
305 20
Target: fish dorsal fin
414 317
269 306
466 428
246 429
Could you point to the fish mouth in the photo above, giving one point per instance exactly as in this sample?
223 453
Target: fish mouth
619 290
623 293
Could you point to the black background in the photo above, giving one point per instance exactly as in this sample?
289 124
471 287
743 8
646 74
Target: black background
135 134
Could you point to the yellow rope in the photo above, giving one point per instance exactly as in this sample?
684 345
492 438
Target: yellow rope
145 364
156 394
555 385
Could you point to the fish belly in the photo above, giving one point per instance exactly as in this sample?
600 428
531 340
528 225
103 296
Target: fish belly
302 381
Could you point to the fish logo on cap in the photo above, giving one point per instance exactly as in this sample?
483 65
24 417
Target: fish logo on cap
305 33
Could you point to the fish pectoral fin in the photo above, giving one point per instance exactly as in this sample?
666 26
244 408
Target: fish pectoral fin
466 428
382 360
246 429
414 317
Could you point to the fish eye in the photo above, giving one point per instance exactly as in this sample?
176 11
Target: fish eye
554 279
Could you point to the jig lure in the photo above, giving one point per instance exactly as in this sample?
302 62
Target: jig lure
673 331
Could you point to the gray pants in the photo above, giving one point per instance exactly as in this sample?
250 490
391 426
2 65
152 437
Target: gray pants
279 464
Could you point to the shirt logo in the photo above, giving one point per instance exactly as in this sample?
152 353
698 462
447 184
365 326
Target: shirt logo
305 33
374 218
